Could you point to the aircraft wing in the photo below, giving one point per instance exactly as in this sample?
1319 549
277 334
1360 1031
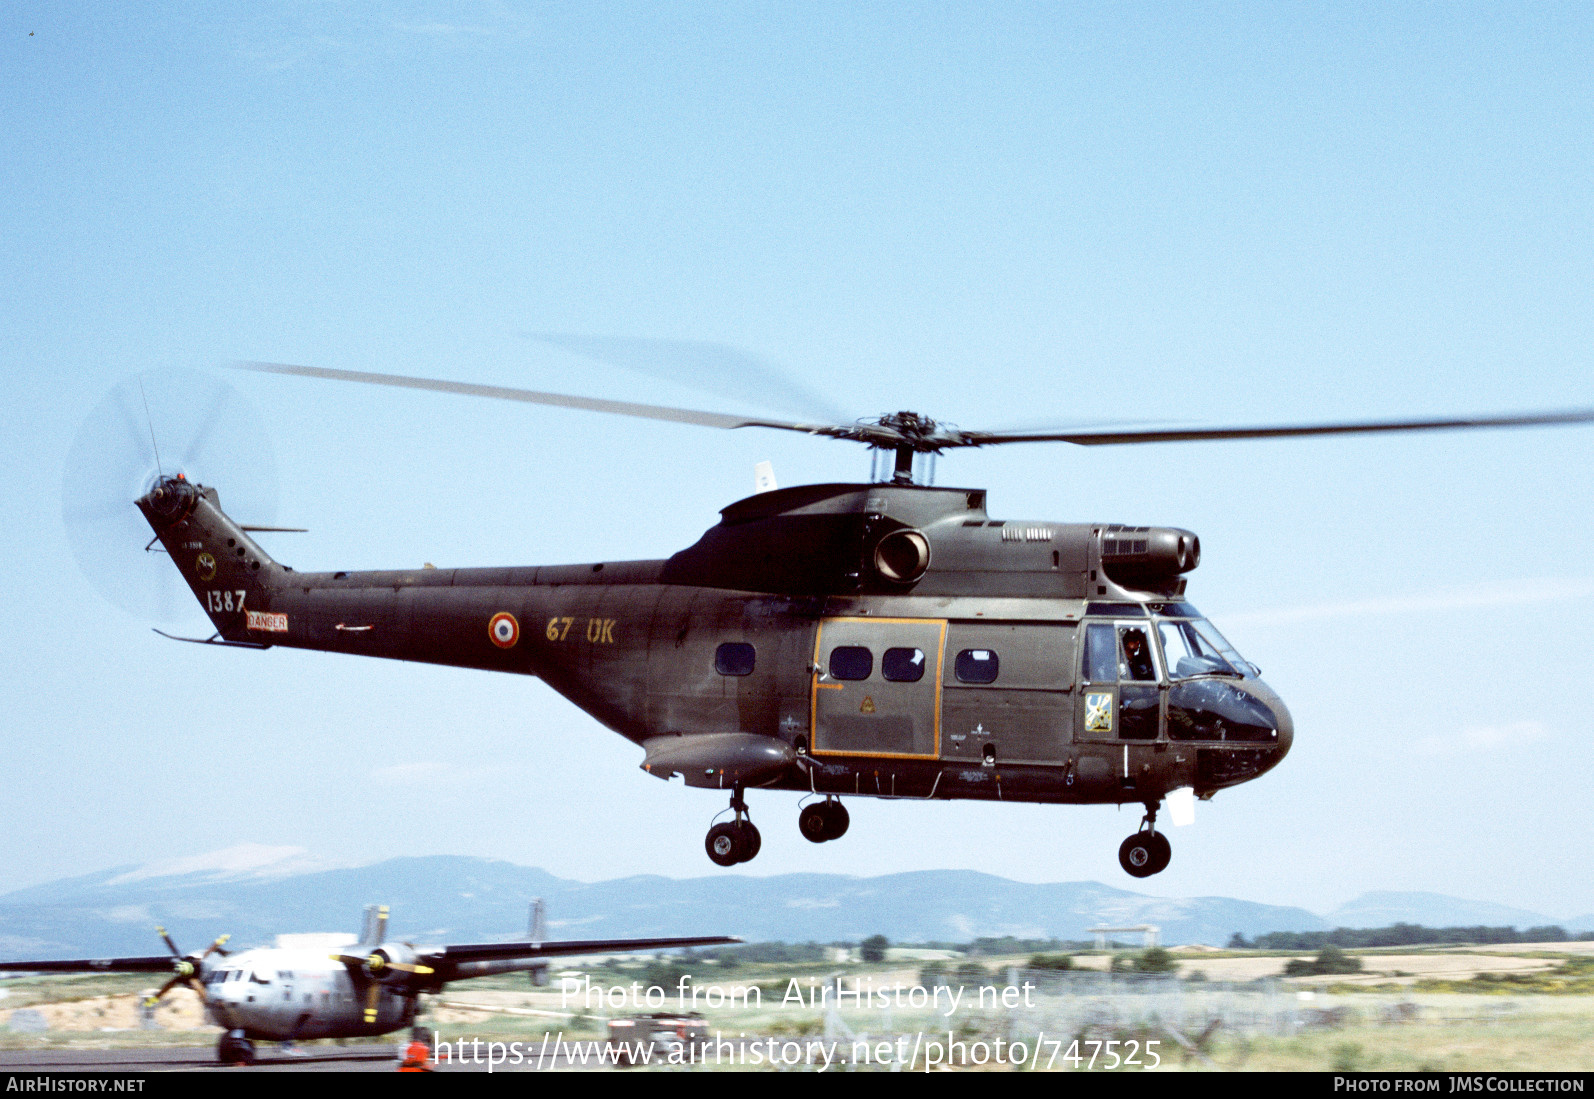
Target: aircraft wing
491 952
163 963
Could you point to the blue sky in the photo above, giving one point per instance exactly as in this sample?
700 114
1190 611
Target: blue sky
1023 215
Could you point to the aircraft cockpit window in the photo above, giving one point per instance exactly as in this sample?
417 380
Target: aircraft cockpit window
734 658
1189 653
851 662
1135 662
977 666
1210 634
903 665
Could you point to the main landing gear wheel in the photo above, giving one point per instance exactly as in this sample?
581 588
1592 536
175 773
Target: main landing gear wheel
735 840
824 820
1148 851
234 1049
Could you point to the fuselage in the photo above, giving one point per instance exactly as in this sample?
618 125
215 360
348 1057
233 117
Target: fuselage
882 640
282 993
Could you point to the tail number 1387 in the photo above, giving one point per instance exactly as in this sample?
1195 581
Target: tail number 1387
224 601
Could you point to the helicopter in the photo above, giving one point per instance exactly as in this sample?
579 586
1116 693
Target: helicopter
368 988
888 639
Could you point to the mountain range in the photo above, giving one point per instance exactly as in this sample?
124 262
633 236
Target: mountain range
255 893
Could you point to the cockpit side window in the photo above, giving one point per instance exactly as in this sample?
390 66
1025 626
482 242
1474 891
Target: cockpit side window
1135 655
1101 653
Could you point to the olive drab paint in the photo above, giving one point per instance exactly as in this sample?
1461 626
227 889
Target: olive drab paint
882 640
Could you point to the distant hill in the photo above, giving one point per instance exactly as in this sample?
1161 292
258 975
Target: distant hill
466 899
1434 910
255 893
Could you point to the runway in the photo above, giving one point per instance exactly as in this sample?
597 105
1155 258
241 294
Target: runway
373 1058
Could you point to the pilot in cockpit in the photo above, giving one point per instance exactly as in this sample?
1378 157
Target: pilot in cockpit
1137 656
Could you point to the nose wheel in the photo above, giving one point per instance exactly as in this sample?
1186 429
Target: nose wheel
734 841
1148 851
823 821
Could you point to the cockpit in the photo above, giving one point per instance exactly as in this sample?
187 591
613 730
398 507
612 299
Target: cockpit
1162 670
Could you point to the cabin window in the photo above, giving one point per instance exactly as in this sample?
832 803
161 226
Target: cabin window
851 662
903 665
734 658
977 666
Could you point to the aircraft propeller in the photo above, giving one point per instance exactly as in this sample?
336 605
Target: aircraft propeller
377 964
188 968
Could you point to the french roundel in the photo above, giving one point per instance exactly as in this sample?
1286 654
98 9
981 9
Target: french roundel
504 630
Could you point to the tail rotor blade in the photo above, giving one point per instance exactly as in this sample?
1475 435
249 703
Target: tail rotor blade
214 437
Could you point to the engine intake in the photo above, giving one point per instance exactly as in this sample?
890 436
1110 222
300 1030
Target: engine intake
1148 558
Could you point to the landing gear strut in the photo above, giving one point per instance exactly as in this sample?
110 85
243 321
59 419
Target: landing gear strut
1147 851
823 820
736 840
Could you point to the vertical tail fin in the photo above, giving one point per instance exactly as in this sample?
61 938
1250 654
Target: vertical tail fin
230 575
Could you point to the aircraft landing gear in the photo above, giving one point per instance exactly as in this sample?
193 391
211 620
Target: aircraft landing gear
1148 851
235 1049
736 840
823 820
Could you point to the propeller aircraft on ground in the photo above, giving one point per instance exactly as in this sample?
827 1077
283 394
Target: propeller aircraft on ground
363 989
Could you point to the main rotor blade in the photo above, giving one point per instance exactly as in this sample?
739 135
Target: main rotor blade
558 400
712 367
1182 435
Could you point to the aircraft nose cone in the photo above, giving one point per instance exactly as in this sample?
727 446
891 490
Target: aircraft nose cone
1286 725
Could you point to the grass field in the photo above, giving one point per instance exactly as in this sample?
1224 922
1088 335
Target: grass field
1446 1009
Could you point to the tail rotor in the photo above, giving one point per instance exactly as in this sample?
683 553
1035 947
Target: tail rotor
153 426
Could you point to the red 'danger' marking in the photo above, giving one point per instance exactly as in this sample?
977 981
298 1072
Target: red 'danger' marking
504 630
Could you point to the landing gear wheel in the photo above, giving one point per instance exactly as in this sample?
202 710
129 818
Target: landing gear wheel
1138 854
1162 852
814 822
736 840
750 839
824 820
235 1050
725 843
836 820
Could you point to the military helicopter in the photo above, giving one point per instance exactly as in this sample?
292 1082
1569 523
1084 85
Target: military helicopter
888 639
368 988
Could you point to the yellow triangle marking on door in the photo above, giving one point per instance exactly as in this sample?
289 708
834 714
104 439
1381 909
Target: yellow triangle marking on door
868 705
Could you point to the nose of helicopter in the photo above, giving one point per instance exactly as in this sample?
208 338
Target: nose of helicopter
1283 723
1286 724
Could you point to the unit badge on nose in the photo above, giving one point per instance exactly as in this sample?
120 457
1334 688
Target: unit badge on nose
1098 713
